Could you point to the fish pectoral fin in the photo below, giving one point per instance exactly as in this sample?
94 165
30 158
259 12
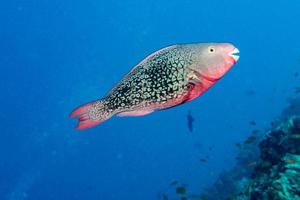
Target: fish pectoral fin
195 89
134 113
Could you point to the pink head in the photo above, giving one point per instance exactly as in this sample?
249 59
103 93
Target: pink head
213 60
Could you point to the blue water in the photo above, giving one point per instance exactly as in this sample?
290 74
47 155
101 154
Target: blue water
58 54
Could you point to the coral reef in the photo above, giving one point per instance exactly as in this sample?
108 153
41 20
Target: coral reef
268 164
276 164
278 174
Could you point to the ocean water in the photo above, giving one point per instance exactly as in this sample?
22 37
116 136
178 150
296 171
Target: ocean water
58 54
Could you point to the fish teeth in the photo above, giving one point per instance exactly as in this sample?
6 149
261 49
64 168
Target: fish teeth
233 54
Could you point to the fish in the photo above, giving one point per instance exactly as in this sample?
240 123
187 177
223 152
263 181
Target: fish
265 164
169 77
251 164
203 160
190 121
290 161
250 140
297 90
250 92
165 197
203 197
162 196
296 74
173 183
295 136
238 145
253 123
254 132
181 190
292 107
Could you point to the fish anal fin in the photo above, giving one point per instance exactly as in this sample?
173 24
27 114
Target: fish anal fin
134 113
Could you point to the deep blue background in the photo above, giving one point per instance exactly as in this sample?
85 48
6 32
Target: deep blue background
58 54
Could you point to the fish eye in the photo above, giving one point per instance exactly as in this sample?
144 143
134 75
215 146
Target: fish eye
211 49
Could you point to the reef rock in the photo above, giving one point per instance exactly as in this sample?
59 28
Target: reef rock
277 177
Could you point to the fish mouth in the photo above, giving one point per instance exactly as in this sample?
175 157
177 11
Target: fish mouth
233 54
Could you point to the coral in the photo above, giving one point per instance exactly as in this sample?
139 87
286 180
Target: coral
281 179
282 183
277 173
268 164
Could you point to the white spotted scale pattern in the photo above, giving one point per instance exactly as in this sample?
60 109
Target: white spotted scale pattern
158 80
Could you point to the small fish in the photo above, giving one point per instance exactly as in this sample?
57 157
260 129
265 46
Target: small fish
190 121
250 140
168 77
295 136
252 137
203 160
203 197
265 164
252 164
238 145
181 190
297 90
210 148
184 198
173 183
296 74
253 123
292 107
165 197
254 132
250 92
290 161
162 196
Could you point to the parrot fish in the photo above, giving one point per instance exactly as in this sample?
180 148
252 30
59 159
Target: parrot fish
166 78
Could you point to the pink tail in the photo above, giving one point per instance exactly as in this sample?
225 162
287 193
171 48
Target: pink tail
90 114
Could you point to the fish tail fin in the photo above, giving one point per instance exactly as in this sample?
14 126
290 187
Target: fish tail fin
91 114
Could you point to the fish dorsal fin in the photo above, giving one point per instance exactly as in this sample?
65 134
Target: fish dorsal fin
142 63
151 56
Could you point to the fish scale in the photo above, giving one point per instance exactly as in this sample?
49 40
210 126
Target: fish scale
166 78
156 81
